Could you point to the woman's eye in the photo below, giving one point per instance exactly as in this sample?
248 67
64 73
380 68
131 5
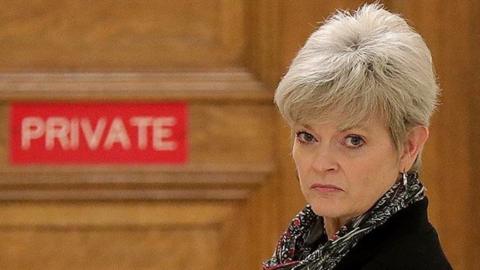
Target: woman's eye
354 141
305 137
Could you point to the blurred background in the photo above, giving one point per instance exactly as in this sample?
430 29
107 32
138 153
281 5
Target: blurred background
225 207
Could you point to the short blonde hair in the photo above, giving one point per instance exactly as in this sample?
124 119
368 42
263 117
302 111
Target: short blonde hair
361 64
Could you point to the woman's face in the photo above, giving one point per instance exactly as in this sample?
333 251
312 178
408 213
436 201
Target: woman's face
343 173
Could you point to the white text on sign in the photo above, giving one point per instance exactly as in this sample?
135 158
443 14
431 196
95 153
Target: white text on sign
66 132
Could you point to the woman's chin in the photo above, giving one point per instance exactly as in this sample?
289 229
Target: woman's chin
327 210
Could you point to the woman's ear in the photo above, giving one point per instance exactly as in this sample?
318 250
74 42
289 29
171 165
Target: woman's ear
414 143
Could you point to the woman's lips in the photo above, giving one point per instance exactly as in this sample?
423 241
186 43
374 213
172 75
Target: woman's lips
325 188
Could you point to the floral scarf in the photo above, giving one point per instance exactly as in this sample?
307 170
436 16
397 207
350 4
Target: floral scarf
296 252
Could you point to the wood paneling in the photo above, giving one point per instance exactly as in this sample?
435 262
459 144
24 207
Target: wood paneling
264 45
121 35
128 248
236 85
114 235
448 29
473 28
203 215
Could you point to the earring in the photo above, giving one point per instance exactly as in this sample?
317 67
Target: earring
404 178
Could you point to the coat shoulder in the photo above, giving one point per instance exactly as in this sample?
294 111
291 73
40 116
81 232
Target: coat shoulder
414 251
406 241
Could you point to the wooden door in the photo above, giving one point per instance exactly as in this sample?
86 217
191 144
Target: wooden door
205 214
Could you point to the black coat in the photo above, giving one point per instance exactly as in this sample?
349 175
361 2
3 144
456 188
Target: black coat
406 241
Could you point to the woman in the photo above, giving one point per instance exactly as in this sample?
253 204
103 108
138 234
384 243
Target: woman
359 96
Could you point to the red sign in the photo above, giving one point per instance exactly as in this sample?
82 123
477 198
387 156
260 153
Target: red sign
92 133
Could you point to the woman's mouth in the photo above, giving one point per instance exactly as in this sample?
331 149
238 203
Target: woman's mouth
325 188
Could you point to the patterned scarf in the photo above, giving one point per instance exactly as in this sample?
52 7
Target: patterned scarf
294 252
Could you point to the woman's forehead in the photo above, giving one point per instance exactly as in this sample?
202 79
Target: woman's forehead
343 122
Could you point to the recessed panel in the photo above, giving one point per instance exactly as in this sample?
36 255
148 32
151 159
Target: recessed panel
120 35
109 248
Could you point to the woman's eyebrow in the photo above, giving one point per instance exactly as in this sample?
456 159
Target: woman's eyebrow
357 126
306 126
361 127
309 128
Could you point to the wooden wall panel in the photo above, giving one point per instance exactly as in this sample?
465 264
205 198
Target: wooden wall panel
214 212
110 248
115 235
473 258
263 209
263 51
448 30
473 26
123 35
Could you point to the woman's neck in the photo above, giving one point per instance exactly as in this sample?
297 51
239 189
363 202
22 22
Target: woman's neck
333 225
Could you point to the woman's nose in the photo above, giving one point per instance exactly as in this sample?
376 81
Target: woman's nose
325 160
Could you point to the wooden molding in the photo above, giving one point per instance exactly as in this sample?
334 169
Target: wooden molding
110 194
47 184
189 86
